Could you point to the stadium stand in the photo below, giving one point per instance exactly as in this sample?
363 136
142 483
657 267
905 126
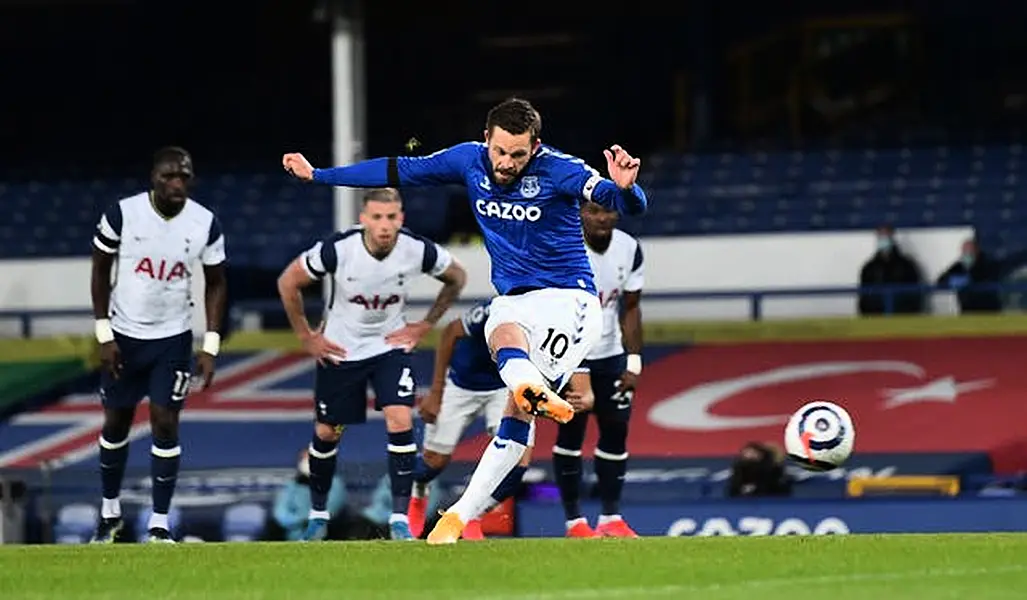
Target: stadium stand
977 185
52 219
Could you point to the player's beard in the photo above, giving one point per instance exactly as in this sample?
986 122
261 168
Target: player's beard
168 204
599 243
505 177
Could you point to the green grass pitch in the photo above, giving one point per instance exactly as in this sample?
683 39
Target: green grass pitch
878 567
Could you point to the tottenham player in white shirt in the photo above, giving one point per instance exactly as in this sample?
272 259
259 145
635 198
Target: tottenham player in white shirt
365 338
619 269
143 325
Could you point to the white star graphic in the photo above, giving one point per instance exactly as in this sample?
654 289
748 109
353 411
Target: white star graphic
944 389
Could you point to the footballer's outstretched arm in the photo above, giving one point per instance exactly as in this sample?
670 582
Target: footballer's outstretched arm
628 198
443 167
577 179
631 201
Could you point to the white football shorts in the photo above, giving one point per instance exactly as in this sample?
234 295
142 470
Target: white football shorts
562 325
459 408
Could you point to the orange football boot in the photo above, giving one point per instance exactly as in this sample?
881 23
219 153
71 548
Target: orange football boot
447 530
581 529
541 401
617 528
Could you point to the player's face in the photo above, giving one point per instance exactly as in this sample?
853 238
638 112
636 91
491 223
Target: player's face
509 153
382 221
171 180
598 224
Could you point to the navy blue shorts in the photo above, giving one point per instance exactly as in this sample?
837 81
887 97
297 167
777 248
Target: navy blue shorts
159 368
604 375
340 391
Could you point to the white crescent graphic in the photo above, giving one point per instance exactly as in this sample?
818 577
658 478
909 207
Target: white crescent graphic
690 410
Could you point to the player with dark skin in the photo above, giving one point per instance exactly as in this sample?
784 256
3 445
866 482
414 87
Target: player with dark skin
170 180
598 224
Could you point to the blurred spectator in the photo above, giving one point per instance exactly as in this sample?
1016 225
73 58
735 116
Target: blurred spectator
759 471
292 504
889 266
973 267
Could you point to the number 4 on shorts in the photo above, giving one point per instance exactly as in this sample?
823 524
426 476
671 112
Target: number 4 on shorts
405 384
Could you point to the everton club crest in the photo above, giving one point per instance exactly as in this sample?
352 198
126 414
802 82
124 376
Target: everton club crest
530 186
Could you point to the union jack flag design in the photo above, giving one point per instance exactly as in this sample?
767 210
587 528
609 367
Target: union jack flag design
258 413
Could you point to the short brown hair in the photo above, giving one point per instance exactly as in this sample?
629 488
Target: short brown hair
385 194
516 116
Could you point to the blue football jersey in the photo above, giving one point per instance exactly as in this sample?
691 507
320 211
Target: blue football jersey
532 227
471 366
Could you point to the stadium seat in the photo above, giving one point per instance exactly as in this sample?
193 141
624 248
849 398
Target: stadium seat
75 523
243 522
698 194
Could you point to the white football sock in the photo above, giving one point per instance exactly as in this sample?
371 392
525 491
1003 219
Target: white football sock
518 371
110 508
499 458
159 521
604 519
319 514
398 517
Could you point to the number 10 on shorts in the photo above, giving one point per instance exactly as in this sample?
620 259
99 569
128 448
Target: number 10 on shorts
555 343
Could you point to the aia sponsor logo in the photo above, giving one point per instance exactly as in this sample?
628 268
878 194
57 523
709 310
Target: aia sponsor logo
375 302
161 270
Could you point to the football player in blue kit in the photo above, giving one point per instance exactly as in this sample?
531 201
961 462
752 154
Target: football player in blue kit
465 384
526 197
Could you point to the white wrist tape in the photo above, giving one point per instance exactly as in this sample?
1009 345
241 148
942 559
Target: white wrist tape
103 330
211 343
634 364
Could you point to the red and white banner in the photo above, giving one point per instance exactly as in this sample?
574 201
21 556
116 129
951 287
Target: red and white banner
905 396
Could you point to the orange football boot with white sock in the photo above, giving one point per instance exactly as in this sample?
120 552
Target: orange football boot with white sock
541 401
473 532
447 530
581 529
416 512
616 528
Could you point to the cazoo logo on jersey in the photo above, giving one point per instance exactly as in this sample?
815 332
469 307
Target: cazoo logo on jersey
509 211
757 526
